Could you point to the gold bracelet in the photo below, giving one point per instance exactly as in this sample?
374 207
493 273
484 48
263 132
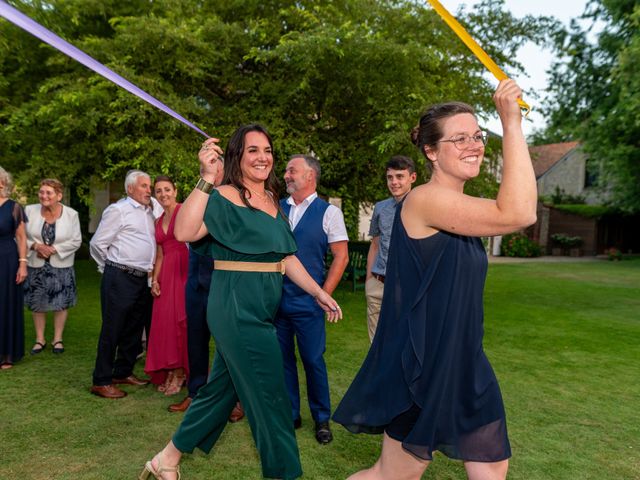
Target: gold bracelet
204 186
22 259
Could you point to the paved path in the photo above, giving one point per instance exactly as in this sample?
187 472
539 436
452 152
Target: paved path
549 259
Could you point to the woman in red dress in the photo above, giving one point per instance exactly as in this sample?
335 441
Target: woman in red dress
167 359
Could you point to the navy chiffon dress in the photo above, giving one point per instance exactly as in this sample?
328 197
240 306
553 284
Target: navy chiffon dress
11 294
426 380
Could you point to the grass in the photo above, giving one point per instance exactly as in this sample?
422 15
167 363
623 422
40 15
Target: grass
563 340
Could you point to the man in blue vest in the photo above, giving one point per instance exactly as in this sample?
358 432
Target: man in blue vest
317 226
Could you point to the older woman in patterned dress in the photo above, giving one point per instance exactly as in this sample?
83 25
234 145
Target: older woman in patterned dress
53 236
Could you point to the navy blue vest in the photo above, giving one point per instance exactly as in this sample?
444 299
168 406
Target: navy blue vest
312 248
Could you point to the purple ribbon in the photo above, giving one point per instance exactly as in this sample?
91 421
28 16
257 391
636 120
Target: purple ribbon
19 19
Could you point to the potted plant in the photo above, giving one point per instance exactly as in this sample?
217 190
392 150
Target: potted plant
558 245
574 244
613 254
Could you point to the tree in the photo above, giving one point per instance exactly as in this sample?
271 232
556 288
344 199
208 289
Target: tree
595 97
343 79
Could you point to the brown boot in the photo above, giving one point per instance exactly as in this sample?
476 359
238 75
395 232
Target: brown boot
237 413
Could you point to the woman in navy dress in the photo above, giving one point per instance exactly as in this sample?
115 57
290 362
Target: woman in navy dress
426 383
13 271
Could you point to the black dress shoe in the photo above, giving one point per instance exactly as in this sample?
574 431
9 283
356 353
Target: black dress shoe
323 433
297 423
57 349
38 347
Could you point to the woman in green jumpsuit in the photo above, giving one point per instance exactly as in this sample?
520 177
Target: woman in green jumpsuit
242 228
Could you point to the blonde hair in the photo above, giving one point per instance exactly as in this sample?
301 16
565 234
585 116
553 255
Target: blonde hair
7 183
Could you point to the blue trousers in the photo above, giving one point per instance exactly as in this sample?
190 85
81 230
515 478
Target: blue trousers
308 329
197 337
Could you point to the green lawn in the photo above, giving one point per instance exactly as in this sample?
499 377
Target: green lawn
564 340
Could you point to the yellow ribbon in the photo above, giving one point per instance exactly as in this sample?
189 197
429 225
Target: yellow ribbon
474 47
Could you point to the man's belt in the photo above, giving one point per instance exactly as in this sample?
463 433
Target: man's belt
378 277
249 266
126 269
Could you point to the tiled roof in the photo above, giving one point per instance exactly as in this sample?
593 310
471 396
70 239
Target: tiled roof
546 156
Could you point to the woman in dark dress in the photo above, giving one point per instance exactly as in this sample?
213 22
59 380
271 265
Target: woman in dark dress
426 382
13 271
252 245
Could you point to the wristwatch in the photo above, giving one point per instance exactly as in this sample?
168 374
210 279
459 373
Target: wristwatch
204 186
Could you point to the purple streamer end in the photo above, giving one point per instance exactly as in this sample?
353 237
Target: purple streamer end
21 20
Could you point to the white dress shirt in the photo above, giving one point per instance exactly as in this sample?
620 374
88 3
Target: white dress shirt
332 221
157 208
125 235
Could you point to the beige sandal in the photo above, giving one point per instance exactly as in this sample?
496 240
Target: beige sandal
163 386
149 470
176 384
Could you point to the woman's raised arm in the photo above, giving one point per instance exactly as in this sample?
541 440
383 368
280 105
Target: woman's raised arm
190 219
437 206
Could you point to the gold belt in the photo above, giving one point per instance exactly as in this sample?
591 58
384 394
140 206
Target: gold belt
249 266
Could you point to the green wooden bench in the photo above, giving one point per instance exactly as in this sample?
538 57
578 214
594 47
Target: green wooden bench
356 270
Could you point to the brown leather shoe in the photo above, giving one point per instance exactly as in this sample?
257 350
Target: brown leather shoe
130 380
237 413
108 391
180 407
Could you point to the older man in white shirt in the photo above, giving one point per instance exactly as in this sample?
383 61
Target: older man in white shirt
124 248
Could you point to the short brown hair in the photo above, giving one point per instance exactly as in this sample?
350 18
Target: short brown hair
429 129
57 185
164 178
400 162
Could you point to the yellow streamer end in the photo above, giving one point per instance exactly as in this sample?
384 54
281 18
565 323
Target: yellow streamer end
474 47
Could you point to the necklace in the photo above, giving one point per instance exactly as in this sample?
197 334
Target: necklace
264 196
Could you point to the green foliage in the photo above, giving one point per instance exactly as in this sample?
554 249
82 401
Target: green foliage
560 197
588 211
613 254
595 97
519 245
345 80
565 241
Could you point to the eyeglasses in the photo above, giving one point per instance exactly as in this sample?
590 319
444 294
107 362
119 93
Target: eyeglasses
461 141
